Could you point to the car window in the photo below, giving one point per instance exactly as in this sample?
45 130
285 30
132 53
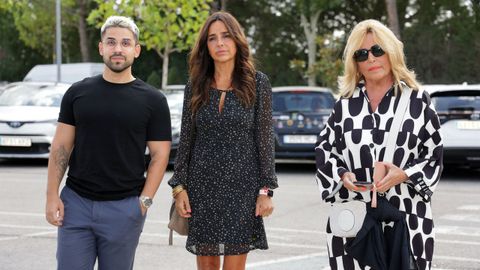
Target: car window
302 101
446 103
32 95
456 105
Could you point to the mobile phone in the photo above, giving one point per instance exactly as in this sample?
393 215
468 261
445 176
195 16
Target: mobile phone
363 183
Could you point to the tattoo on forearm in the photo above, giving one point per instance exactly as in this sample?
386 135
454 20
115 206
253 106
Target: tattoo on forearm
61 161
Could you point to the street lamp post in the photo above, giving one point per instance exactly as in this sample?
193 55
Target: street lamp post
58 39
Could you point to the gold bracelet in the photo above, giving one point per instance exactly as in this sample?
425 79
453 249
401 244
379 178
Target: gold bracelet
174 194
176 190
178 187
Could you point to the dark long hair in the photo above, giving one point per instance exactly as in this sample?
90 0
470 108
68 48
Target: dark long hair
202 68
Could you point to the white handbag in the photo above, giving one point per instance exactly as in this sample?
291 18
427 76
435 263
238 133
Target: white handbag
346 218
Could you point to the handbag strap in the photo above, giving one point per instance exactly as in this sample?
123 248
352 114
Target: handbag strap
397 122
170 238
393 133
170 234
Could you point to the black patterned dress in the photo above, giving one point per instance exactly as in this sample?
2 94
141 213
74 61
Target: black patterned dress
232 157
355 137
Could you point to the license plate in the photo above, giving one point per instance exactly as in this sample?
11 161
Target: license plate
15 141
468 124
304 139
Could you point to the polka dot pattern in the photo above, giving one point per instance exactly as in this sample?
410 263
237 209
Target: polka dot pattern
413 222
357 138
417 243
232 157
429 248
337 247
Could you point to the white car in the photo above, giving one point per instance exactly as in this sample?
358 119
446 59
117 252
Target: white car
458 107
70 73
28 118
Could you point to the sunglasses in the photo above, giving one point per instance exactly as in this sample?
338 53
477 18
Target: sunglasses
362 54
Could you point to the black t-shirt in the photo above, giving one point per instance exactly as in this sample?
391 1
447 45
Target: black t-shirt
112 123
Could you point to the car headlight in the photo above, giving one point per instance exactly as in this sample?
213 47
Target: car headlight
325 119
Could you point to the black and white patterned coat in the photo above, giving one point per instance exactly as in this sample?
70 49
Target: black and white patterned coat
355 137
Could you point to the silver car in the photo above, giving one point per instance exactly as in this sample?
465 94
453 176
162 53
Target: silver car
174 95
458 108
28 118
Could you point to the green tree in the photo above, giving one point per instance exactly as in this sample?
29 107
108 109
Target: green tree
35 22
16 59
277 41
311 11
393 16
328 65
272 30
442 41
165 26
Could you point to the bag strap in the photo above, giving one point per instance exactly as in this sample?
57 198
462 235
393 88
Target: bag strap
170 235
397 122
394 130
170 238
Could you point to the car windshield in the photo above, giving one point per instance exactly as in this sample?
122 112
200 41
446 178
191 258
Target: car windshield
32 95
304 101
70 73
460 102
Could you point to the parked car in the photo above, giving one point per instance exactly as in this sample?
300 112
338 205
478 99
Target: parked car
70 73
299 114
458 108
174 94
28 118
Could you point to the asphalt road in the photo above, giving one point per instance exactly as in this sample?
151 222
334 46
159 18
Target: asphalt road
295 230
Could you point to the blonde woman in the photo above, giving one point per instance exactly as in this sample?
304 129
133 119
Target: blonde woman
355 136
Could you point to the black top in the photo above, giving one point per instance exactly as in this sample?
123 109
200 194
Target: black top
112 123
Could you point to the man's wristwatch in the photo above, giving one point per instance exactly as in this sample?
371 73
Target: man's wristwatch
266 191
146 201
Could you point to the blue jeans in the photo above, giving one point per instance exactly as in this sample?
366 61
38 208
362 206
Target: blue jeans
107 230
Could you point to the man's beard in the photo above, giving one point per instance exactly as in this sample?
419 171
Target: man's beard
117 68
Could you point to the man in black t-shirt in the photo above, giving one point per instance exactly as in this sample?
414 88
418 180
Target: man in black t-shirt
105 124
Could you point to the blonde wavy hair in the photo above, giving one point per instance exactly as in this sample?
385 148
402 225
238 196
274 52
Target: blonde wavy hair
389 43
